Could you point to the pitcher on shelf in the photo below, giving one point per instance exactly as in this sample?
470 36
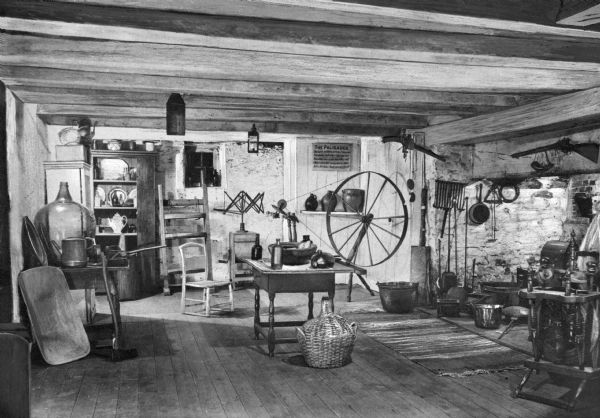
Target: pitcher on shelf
117 223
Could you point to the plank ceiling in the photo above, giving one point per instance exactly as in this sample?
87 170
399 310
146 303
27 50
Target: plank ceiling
460 70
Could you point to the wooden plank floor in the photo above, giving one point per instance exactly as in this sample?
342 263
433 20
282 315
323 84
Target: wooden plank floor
212 367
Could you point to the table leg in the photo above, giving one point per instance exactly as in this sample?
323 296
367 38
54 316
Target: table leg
112 295
349 295
310 305
256 312
538 338
579 330
90 306
331 294
271 335
594 343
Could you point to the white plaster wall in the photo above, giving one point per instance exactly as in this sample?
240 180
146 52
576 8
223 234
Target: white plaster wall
252 173
27 148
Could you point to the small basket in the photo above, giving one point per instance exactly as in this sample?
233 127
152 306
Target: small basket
448 307
327 341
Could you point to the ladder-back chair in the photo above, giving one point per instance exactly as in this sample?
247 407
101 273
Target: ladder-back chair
193 275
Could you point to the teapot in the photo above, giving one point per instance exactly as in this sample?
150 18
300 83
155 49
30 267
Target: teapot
117 222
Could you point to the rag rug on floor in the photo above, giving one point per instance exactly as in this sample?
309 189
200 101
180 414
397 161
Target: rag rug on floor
443 348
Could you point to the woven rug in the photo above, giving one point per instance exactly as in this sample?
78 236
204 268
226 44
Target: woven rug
443 348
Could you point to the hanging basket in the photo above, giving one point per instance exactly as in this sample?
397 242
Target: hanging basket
327 341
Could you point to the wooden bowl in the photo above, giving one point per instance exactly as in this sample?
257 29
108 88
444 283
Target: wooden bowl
294 256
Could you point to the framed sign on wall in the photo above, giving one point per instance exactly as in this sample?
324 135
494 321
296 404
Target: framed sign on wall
334 156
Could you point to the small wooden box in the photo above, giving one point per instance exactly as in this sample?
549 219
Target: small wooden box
71 153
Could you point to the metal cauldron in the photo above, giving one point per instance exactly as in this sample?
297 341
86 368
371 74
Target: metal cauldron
487 315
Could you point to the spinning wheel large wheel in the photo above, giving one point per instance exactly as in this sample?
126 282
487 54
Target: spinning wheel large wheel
368 234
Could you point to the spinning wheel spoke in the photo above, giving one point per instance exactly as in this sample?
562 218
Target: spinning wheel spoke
345 227
384 203
376 197
349 238
389 217
385 230
367 191
369 246
380 243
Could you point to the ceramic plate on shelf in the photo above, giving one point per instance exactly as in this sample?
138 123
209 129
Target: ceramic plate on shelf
117 196
131 198
113 169
101 195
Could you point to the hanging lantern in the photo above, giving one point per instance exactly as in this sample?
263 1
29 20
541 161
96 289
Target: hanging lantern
253 140
175 115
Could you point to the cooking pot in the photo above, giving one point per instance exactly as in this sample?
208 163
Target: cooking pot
487 315
74 252
479 212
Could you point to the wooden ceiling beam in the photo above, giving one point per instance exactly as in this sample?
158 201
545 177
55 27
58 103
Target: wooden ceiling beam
425 106
574 112
250 115
300 128
406 15
316 38
30 79
579 12
183 61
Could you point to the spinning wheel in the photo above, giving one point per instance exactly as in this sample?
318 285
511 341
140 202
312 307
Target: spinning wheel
370 233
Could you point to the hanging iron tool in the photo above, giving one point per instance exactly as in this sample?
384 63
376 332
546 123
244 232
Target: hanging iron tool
448 194
424 198
465 284
408 143
448 278
479 213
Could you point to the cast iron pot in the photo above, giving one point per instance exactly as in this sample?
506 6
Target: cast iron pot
479 212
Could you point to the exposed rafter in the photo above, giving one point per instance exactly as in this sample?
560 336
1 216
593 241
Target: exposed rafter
579 12
569 113
359 67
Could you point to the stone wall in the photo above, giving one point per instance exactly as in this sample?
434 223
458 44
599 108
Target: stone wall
544 211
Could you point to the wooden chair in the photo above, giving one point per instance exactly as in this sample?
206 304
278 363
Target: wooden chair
193 274
15 378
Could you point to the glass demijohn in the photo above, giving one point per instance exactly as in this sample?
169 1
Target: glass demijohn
64 218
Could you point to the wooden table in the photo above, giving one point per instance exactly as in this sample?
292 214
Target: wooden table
291 279
578 315
85 278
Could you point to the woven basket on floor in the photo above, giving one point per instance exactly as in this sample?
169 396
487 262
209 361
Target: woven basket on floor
327 341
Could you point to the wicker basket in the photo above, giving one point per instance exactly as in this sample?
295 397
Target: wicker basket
327 341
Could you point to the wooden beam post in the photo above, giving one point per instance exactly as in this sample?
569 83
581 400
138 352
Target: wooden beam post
573 112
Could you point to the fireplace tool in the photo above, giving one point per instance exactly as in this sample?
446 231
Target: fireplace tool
448 195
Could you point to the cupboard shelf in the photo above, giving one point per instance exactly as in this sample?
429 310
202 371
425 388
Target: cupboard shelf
341 214
141 277
124 182
186 235
115 208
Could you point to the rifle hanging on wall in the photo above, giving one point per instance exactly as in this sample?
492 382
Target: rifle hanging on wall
588 150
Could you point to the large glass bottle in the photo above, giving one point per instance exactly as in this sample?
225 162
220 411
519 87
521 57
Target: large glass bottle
277 256
64 218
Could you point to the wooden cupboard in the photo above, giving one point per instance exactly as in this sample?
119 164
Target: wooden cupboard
124 185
